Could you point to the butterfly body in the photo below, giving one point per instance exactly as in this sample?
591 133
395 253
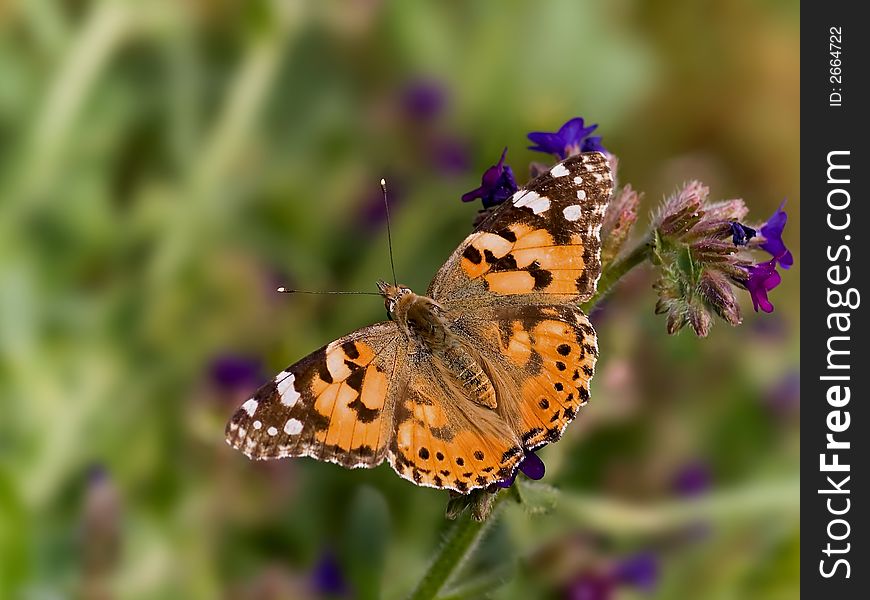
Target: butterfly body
493 361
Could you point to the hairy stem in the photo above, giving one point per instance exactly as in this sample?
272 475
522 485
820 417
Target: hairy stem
613 272
467 532
458 546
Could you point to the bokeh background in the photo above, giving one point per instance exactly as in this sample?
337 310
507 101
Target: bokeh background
164 165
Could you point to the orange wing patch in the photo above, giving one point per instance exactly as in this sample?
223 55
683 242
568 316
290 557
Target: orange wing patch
555 349
330 405
438 446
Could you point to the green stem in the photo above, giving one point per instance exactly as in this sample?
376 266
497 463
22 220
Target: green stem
463 538
613 272
457 547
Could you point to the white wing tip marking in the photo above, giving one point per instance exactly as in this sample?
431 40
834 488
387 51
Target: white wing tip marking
559 170
286 383
250 407
292 426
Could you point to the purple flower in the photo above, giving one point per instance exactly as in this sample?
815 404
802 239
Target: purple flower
327 578
741 234
692 479
762 278
572 138
423 100
450 155
231 372
639 570
496 185
590 586
532 467
772 232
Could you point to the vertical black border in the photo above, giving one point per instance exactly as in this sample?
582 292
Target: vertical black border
826 128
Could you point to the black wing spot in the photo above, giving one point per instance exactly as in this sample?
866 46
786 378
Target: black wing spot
350 349
583 392
439 456
558 385
478 455
423 453
564 349
544 403
472 254
460 461
542 278
560 365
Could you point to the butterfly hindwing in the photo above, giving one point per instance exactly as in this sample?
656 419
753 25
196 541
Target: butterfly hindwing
542 358
444 444
543 242
333 405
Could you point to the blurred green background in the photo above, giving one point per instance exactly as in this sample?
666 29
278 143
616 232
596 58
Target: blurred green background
164 165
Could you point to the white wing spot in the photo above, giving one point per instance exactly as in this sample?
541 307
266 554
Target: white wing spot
536 202
258 424
287 389
559 170
250 407
572 213
581 194
292 426
272 431
578 180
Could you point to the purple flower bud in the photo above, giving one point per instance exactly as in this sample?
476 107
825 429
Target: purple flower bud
718 293
741 234
532 467
497 185
772 230
619 218
572 138
763 277
700 321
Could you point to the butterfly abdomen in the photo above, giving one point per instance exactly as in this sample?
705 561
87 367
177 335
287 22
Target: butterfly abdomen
470 375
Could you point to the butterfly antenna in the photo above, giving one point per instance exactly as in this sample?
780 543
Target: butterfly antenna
283 290
389 232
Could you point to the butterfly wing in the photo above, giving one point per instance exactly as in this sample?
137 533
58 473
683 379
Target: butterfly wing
542 243
440 443
334 405
541 359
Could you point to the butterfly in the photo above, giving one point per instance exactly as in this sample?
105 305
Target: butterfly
492 362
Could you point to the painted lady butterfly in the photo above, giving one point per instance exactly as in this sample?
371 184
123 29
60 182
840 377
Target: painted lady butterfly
493 361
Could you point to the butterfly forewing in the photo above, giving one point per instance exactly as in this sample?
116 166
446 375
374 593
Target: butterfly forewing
541 243
333 405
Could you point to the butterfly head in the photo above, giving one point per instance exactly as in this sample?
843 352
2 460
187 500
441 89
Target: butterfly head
391 294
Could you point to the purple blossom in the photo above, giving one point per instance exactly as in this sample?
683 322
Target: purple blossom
572 138
327 578
741 234
532 467
231 372
590 586
762 278
496 185
450 155
772 232
423 99
692 479
639 570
